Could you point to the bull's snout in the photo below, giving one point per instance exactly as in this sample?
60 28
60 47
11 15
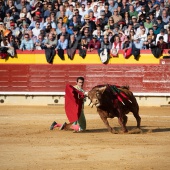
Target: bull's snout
96 102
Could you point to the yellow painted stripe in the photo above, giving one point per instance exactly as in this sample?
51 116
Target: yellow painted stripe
89 59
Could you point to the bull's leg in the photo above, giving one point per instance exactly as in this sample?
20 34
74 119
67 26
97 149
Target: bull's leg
122 121
110 129
137 117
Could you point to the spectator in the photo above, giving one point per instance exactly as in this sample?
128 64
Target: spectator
59 28
70 11
137 43
99 36
14 13
13 28
94 44
161 43
31 36
96 12
50 45
89 23
127 30
156 30
116 16
72 46
36 30
149 44
105 44
148 24
21 4
163 34
126 18
132 12
40 42
132 34
48 21
25 13
64 33
108 14
123 7
98 28
92 17
139 30
152 35
83 12
111 23
112 5
27 43
165 16
160 23
138 7
143 36
135 22
127 47
100 6
48 11
17 43
116 46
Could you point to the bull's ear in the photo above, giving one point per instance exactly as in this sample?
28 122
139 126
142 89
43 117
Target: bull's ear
102 89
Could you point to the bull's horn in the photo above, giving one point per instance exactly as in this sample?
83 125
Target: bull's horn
90 103
102 89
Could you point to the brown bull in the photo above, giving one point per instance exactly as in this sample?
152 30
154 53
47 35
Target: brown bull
110 105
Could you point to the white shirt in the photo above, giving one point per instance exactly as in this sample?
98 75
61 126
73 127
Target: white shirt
165 36
36 31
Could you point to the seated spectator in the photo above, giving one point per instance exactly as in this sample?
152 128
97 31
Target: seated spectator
99 36
84 12
83 47
76 34
26 13
108 14
59 28
121 36
165 16
13 28
96 12
87 35
89 23
24 27
36 30
127 18
64 33
98 28
140 29
107 30
14 13
152 35
128 29
62 43
132 34
40 43
72 46
161 43
48 11
92 17
160 23
148 24
7 19
137 43
48 21
143 36
31 36
116 46
111 23
162 33
105 44
27 43
116 16
16 43
132 11
156 30
127 47
50 45
94 44
70 28
70 11
149 44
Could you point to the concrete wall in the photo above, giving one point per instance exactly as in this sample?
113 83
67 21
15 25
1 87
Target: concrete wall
58 100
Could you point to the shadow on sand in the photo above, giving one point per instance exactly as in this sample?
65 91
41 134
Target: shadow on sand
131 130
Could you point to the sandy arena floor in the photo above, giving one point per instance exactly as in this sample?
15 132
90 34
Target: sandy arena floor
27 143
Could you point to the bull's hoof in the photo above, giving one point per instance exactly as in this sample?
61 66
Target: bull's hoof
113 131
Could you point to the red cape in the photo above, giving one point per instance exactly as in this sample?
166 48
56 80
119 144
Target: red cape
73 103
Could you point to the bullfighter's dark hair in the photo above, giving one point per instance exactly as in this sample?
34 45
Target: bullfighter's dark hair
80 78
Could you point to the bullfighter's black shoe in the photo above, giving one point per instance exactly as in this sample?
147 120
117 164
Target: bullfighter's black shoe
63 126
52 125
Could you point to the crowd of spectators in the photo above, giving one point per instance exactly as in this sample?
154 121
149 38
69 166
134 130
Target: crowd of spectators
84 24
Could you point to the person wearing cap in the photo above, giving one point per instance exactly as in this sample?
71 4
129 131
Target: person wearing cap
148 24
89 23
70 28
13 28
116 16
156 30
107 30
94 44
163 34
160 23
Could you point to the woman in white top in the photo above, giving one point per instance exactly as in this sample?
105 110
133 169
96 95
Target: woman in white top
27 14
